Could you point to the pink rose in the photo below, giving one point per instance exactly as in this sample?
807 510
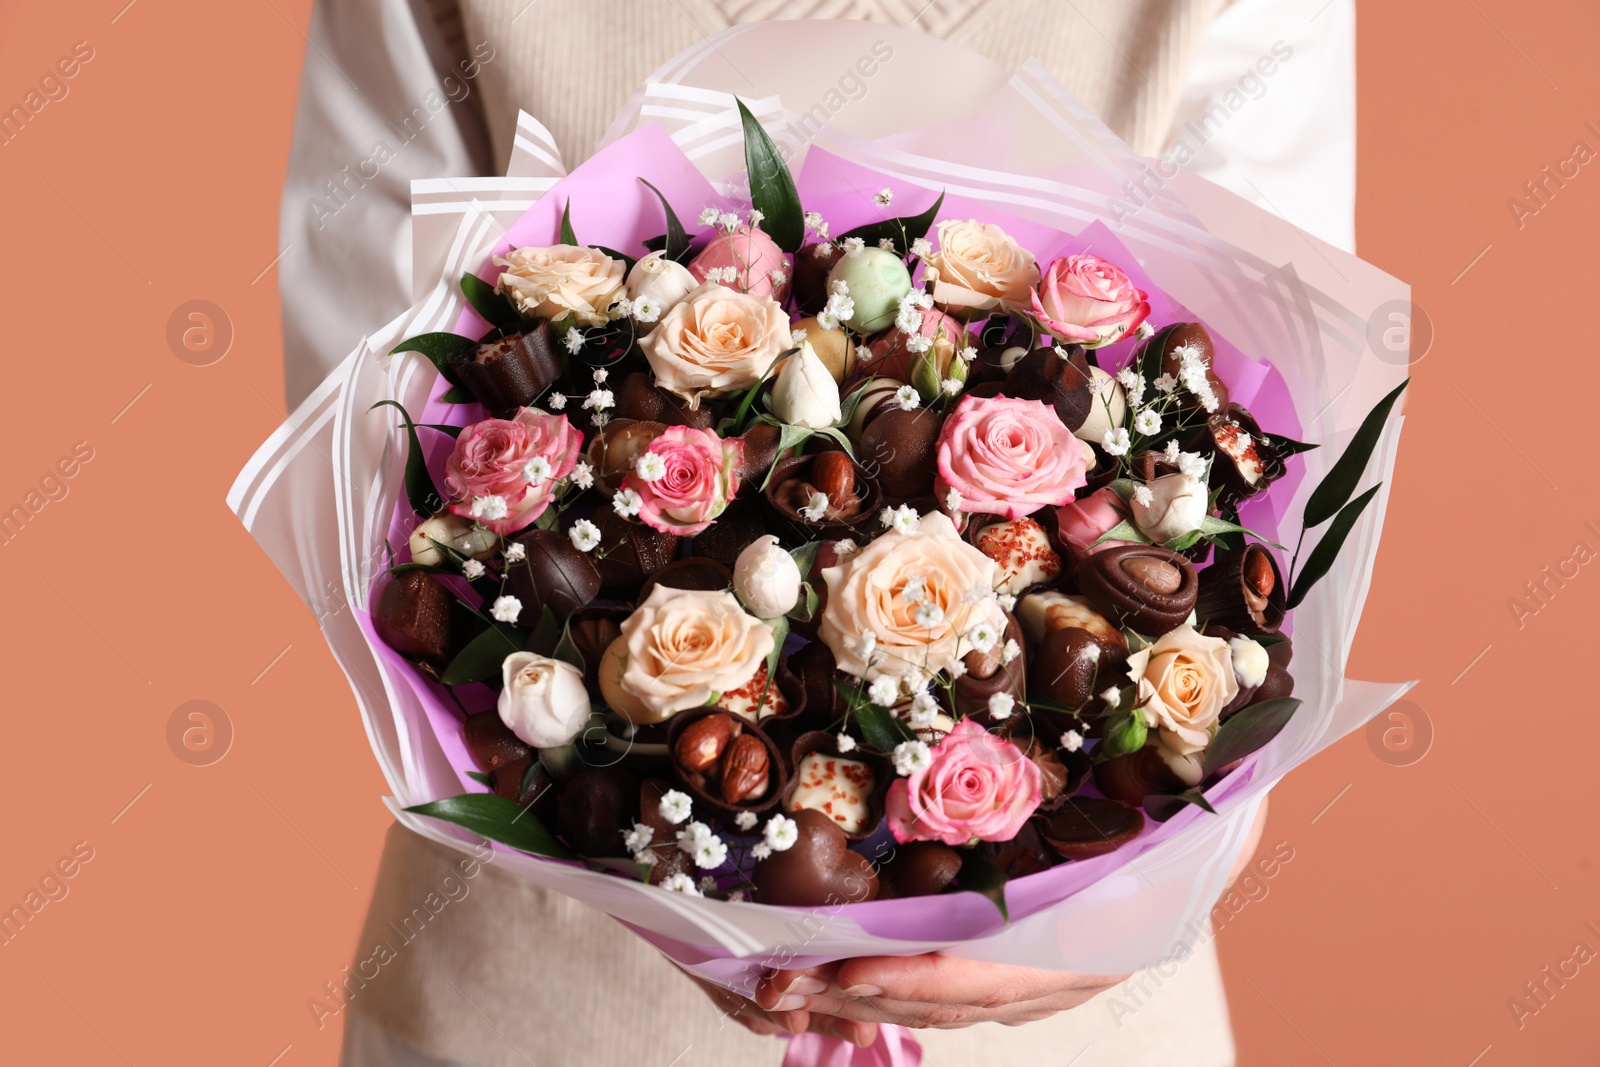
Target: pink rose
1082 522
1087 300
491 475
1009 457
694 481
978 787
759 266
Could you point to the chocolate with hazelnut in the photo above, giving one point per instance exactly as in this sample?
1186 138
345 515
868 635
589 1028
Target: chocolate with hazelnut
1145 588
1242 590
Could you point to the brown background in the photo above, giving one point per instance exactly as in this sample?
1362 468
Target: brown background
220 898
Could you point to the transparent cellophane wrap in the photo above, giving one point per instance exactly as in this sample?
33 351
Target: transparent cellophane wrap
321 495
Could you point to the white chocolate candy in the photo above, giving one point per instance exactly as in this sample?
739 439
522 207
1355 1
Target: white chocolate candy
836 787
1022 550
1042 612
744 700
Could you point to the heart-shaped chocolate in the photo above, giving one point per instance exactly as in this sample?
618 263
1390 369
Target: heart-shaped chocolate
817 869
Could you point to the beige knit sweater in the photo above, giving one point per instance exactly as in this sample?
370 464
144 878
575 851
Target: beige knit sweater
514 975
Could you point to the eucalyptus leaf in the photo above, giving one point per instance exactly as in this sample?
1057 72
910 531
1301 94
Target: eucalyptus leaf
902 231
423 495
979 875
442 349
567 236
498 819
490 305
1247 730
1327 550
480 660
1341 481
772 189
676 241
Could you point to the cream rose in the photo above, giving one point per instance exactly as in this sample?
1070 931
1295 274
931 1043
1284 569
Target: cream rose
981 268
553 281
1185 680
919 594
716 341
544 701
683 647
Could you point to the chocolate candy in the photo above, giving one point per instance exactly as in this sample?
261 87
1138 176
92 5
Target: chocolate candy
592 630
1062 384
784 698
639 397
853 497
1166 342
1243 591
900 447
811 276
1069 668
1048 610
1023 855
1022 549
760 453
1245 461
849 789
511 372
817 869
1085 827
731 534
419 618
1145 588
632 552
669 858
692 572
815 667
553 574
596 807
615 449
726 762
1132 777
918 869
986 676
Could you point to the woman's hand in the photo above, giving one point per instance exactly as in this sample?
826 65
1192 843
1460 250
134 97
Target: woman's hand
941 992
769 1024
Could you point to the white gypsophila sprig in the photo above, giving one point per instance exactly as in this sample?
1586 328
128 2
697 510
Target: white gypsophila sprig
884 691
780 833
675 806
911 756
506 609
585 535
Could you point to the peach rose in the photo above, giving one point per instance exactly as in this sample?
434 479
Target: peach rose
1185 680
557 280
919 594
716 341
684 647
981 268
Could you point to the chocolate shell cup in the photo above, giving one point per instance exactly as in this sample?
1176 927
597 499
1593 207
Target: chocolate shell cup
1145 588
816 669
786 693
1085 827
592 630
632 552
1023 855
825 744
639 397
1240 469
420 618
786 495
691 572
553 574
1242 591
969 694
1132 777
707 794
510 372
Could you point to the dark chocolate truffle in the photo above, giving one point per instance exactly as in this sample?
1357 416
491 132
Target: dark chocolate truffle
554 574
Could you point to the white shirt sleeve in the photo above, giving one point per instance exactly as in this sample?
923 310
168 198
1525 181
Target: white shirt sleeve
384 98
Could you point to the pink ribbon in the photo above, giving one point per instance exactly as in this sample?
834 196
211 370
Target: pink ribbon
895 1047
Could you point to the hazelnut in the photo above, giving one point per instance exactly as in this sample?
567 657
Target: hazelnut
702 743
834 473
1258 574
746 770
980 665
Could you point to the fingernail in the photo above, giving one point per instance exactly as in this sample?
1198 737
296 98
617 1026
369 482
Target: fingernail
789 1002
860 1039
807 984
862 991
791 1024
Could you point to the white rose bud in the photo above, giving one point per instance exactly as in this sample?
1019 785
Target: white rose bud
767 579
1107 409
544 701
805 393
661 279
1177 507
1249 661
456 531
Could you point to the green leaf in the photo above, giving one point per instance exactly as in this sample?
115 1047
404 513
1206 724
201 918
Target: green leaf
878 728
1125 732
567 236
481 778
978 875
806 556
742 414
457 395
1287 446
567 649
1327 550
490 305
441 350
772 189
806 607
546 633
1247 730
498 819
424 496
902 231
1337 487
1123 531
1214 527
482 657
1163 806
780 632
442 427
676 240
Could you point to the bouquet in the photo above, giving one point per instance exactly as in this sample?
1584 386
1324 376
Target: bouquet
830 538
